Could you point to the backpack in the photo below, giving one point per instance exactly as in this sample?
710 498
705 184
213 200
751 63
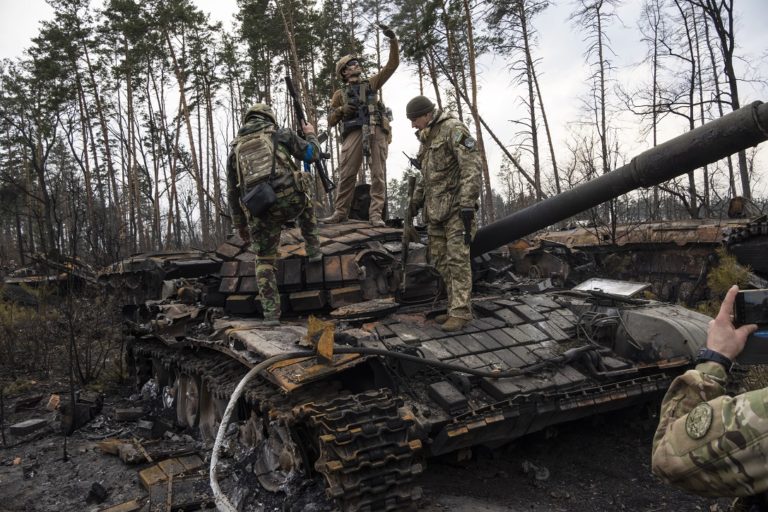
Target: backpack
254 155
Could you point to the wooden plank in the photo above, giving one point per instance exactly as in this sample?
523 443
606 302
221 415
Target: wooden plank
524 354
532 333
490 359
470 343
384 331
406 332
307 301
508 316
453 346
528 313
335 248
503 338
227 251
246 256
151 476
128 506
539 301
486 306
438 349
552 330
510 358
486 341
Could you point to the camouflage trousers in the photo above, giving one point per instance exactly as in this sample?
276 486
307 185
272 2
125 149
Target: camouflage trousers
291 204
349 165
450 255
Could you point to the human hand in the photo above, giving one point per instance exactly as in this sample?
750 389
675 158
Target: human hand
244 233
307 129
346 110
723 336
388 32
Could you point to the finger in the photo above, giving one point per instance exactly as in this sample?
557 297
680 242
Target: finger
746 330
726 308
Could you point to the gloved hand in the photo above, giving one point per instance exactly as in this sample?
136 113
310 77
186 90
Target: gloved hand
244 233
388 32
467 214
346 110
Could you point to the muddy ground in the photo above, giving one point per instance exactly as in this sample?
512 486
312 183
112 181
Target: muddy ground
591 465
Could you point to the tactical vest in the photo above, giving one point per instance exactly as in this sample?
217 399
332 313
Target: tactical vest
369 110
253 153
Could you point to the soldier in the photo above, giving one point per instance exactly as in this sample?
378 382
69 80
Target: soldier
365 131
448 190
263 154
707 442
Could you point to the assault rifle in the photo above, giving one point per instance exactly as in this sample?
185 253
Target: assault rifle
322 173
413 161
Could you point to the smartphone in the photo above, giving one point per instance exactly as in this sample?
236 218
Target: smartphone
751 307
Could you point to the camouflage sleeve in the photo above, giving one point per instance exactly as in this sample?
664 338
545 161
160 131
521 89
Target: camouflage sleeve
334 116
709 443
233 193
305 149
380 78
418 193
468 157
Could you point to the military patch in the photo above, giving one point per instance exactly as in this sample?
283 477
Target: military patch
459 137
469 143
699 420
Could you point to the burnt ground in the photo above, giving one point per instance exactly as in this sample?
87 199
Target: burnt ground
590 465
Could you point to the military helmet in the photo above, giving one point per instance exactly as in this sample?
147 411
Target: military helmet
260 109
342 63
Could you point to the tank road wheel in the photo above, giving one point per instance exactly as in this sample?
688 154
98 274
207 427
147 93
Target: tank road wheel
187 400
211 411
278 460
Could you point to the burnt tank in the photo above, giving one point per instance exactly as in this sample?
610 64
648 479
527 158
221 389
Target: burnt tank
359 386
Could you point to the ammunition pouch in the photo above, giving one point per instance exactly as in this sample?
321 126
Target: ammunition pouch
259 199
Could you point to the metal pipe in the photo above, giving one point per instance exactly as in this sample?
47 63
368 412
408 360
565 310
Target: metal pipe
706 144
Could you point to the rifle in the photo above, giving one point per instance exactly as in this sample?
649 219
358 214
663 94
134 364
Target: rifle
413 161
322 173
407 228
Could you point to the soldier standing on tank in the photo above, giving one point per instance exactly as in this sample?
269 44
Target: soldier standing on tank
261 148
710 443
449 190
365 131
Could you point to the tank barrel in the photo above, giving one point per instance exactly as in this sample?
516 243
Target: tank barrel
717 139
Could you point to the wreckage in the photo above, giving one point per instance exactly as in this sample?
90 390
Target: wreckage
361 400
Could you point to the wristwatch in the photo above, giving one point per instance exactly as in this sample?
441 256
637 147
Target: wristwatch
706 354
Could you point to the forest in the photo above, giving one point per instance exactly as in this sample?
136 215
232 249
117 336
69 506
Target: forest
116 120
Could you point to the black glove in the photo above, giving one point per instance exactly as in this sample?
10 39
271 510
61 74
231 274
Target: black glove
346 110
387 31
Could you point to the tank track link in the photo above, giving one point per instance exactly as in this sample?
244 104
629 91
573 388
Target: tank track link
366 457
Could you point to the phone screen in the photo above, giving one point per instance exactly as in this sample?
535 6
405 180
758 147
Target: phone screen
751 307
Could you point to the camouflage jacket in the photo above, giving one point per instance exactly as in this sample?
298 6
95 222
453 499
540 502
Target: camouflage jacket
375 82
710 443
287 140
450 167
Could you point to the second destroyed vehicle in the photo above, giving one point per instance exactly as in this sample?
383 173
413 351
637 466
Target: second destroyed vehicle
361 399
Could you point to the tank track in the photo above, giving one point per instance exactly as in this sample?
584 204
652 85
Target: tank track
366 456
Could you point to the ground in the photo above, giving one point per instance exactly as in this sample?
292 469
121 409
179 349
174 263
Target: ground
595 464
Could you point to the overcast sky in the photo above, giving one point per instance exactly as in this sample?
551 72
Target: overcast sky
563 72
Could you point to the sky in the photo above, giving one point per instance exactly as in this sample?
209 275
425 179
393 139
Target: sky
563 74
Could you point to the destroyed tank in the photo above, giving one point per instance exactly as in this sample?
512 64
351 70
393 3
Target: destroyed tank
358 386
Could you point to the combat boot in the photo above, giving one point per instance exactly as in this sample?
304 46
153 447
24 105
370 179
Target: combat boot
441 319
377 222
454 324
334 219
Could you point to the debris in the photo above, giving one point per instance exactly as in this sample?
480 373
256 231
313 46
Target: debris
110 446
97 494
53 402
17 461
538 472
87 406
27 427
27 403
128 506
145 426
188 493
167 468
129 414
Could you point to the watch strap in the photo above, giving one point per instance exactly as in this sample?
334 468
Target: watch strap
706 354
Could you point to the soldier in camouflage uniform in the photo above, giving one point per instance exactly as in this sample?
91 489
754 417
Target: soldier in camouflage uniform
292 188
710 443
359 111
448 190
